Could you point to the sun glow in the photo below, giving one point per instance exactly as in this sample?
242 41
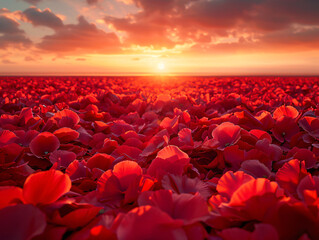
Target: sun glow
161 66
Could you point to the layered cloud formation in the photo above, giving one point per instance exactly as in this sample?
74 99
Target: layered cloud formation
203 24
234 23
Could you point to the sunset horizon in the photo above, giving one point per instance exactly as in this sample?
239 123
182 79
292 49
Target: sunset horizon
159 119
133 37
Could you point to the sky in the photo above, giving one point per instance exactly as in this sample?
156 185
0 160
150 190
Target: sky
137 37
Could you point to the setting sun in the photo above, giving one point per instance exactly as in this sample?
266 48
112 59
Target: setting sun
161 66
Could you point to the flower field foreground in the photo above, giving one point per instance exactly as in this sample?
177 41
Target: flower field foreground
159 158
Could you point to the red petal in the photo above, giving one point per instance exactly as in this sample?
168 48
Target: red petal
44 143
100 160
184 184
77 169
234 156
311 125
149 222
127 151
10 153
7 137
256 169
189 208
226 134
66 118
260 134
290 174
126 172
235 233
230 182
78 217
308 189
62 157
21 222
171 151
256 187
185 136
285 111
264 231
66 134
169 160
109 188
10 195
46 187
100 232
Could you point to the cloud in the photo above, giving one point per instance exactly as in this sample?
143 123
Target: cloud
218 23
7 61
83 37
92 2
29 59
35 2
11 35
42 18
294 37
81 59
143 33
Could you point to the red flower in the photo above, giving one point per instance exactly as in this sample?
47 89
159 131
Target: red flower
224 135
44 143
66 118
124 182
169 160
284 129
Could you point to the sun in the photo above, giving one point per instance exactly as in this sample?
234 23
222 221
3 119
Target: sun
161 66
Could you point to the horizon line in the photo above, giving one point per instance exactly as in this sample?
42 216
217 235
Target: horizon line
157 75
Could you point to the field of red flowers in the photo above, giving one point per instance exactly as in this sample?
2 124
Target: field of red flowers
159 158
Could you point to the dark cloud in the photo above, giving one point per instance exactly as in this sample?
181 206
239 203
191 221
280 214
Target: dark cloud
302 39
92 2
166 23
29 59
83 37
11 35
33 1
7 61
9 26
42 18
145 33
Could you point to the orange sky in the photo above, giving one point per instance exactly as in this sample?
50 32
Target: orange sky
189 37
